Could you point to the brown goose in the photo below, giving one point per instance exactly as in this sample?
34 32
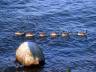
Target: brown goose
53 34
19 33
42 34
29 34
81 33
64 34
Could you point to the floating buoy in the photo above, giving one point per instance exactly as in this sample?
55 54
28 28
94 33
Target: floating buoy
53 34
81 33
29 53
42 34
19 33
64 34
29 34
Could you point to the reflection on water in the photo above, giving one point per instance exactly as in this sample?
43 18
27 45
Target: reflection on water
23 69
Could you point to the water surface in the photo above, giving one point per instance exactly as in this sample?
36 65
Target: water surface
50 15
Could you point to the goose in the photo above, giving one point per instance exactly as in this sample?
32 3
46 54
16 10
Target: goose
81 33
19 33
29 34
64 34
42 34
53 34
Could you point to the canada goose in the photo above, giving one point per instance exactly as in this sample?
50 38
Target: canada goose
42 34
81 33
53 34
29 34
64 34
29 53
19 33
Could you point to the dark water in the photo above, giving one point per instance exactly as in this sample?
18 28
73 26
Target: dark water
79 54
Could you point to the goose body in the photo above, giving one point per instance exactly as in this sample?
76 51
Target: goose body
19 33
53 34
42 34
64 34
29 34
81 33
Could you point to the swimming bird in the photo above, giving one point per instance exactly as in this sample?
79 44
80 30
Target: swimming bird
29 34
42 34
81 33
19 33
29 53
64 34
53 34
